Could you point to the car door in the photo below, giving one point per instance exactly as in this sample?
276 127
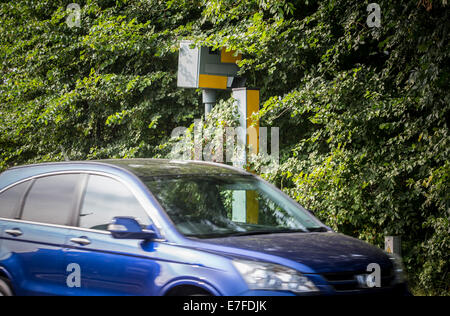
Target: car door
32 248
108 266
10 200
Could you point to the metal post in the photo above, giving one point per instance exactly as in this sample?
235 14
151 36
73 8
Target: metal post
392 244
209 98
245 207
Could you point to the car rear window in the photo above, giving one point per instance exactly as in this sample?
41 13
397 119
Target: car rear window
10 199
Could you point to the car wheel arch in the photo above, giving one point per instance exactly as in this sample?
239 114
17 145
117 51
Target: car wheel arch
5 283
189 288
5 274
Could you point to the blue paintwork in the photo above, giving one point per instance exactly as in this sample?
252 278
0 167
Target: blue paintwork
324 251
36 261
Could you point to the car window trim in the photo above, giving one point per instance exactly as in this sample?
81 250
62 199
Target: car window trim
81 191
20 206
54 225
156 223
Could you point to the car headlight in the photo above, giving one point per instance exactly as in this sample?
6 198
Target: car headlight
269 276
399 270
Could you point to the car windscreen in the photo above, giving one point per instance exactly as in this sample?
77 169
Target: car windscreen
228 205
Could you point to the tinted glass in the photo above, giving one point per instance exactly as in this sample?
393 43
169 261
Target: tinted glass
105 199
10 199
51 200
219 206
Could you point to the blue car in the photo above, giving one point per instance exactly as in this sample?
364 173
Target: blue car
172 228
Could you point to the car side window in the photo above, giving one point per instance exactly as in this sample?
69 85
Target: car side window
10 199
51 200
105 199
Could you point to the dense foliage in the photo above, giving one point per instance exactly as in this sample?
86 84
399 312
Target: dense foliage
363 112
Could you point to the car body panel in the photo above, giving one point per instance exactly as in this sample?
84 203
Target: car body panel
105 261
323 251
34 259
152 267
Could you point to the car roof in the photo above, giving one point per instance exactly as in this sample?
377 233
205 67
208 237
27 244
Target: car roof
139 167
164 167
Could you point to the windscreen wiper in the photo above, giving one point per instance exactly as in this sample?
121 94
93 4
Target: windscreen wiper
265 232
320 229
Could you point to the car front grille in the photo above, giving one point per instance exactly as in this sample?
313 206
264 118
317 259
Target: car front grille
347 281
